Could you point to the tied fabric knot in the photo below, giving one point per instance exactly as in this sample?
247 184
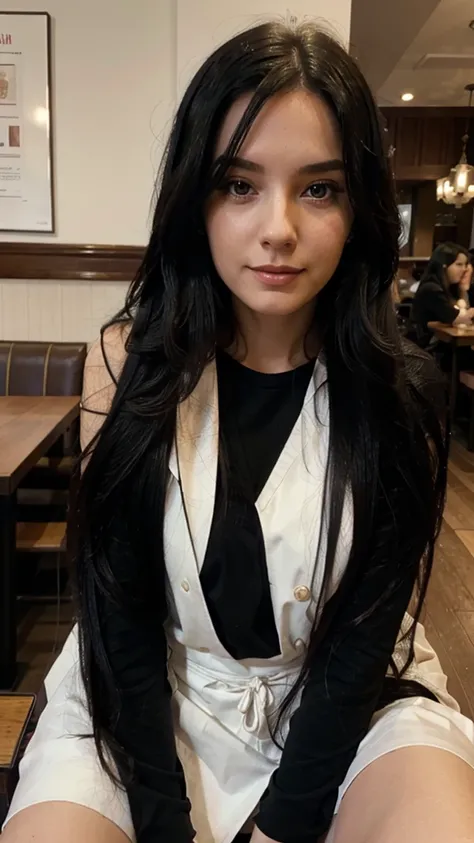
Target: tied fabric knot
253 705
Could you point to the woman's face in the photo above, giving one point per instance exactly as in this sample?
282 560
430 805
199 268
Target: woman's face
466 280
278 226
456 270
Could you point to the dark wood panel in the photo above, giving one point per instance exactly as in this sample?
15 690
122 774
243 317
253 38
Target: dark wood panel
447 113
435 141
426 141
408 137
69 262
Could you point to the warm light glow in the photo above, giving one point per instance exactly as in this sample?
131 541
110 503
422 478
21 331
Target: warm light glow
471 189
407 97
461 181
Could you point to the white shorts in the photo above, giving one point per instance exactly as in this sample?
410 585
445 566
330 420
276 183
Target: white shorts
59 766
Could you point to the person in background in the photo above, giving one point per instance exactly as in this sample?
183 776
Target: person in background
463 292
434 300
264 481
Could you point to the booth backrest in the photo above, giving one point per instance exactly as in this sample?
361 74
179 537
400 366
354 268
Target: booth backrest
41 368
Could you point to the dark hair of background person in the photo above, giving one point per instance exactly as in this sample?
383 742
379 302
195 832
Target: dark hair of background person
455 289
382 423
443 256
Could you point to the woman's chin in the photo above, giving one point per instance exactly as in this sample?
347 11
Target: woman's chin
276 303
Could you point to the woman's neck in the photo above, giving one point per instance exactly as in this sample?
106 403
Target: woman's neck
272 344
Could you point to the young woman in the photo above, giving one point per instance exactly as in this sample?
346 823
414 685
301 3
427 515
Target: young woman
264 481
435 300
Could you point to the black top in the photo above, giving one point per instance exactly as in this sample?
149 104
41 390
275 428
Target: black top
257 413
430 304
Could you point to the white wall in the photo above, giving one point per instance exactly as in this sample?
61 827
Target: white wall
118 66
113 90
57 311
204 24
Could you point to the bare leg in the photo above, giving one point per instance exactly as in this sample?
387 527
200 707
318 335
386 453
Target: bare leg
58 822
417 794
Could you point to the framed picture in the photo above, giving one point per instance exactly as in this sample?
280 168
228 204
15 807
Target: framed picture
26 171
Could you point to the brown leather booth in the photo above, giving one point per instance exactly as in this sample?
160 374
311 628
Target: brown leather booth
41 368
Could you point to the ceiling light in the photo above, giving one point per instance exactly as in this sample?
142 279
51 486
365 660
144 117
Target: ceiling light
407 97
458 188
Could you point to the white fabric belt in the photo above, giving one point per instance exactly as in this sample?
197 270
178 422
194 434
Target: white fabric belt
256 691
256 698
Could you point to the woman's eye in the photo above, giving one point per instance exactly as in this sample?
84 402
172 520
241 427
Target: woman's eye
238 187
321 190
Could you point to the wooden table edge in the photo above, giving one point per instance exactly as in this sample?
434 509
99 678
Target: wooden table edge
440 332
33 698
8 484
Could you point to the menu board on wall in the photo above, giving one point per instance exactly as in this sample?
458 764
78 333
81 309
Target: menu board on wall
26 200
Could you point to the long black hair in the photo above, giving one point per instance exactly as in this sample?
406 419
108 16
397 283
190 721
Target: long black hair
443 256
387 445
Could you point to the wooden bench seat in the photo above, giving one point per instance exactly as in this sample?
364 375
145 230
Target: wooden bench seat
37 537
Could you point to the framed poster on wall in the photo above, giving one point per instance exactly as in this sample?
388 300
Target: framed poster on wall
26 178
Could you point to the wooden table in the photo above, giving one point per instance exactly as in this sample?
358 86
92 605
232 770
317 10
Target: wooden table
457 338
15 713
29 426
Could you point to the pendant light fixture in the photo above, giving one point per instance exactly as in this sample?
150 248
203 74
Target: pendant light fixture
458 188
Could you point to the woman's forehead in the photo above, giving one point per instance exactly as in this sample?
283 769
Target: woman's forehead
297 125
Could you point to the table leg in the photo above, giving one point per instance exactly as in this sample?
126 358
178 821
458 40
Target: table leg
8 644
454 382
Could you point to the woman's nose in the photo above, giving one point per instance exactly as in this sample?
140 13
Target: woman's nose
278 228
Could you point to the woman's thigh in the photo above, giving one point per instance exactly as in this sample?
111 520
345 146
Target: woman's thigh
58 822
418 793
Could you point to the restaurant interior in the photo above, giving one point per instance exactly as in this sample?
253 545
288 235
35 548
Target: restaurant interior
114 74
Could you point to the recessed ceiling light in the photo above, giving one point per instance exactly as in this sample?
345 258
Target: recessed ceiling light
407 97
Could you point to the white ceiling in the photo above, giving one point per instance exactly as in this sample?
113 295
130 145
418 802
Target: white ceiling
422 46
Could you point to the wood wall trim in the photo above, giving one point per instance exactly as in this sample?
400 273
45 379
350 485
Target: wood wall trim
427 112
69 262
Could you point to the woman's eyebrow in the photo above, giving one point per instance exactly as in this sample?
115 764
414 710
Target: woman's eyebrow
308 169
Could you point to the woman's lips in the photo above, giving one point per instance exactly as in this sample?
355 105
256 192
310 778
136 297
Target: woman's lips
276 276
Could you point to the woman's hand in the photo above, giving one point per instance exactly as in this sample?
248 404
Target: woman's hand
464 317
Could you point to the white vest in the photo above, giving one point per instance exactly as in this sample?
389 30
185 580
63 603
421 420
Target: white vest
221 705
